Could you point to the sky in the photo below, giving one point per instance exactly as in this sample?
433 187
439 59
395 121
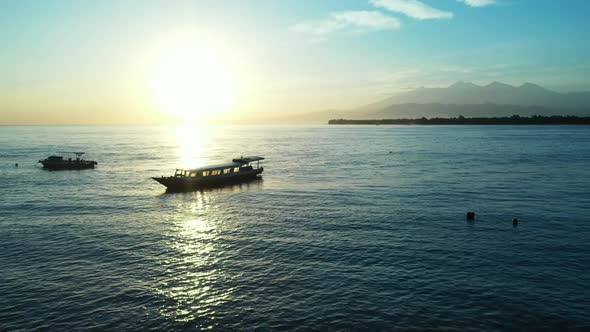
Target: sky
144 62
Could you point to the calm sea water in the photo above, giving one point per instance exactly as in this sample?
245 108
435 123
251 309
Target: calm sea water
351 228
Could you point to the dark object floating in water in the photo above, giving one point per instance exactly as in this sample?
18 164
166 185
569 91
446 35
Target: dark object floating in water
470 216
57 163
214 175
515 221
16 165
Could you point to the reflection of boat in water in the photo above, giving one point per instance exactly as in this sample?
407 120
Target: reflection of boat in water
60 163
239 170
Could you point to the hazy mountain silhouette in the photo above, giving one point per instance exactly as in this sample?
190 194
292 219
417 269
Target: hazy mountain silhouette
454 110
528 94
465 98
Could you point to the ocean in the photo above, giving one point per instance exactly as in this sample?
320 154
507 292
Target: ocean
350 228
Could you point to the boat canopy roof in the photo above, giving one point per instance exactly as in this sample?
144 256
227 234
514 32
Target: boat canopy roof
237 162
214 167
73 152
248 159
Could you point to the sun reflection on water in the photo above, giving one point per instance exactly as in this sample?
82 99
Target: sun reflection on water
194 271
193 142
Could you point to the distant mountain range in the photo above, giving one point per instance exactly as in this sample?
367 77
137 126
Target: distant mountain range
464 98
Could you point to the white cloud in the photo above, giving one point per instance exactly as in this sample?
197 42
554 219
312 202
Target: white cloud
369 19
478 3
318 27
414 8
364 20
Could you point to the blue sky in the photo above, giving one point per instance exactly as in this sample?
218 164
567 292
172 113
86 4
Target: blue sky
291 55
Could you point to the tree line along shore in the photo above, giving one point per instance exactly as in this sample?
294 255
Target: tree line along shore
512 120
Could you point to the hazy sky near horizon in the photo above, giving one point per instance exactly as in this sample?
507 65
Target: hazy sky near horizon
124 61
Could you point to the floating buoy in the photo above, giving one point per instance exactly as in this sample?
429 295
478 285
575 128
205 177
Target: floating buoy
16 165
515 221
470 216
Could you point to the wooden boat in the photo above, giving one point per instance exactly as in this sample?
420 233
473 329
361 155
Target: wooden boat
240 169
58 162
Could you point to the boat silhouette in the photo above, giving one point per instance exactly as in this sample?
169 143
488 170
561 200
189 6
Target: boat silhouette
239 170
58 162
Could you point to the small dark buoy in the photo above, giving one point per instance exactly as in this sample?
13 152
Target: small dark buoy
390 152
16 165
515 221
470 216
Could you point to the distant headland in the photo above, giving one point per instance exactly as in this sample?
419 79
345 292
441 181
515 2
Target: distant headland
470 100
460 120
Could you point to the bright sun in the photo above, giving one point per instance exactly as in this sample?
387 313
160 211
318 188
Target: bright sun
193 81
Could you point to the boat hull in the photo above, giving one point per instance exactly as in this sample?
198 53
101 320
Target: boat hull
68 165
189 183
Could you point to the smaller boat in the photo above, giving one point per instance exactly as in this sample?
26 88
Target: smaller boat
58 162
239 170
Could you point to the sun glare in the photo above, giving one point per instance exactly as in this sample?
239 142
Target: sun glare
193 144
193 80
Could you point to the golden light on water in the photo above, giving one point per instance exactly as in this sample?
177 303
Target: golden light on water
193 79
193 285
193 144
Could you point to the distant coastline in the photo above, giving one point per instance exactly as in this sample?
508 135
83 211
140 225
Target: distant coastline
512 120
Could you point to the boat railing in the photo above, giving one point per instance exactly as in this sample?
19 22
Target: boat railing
183 173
